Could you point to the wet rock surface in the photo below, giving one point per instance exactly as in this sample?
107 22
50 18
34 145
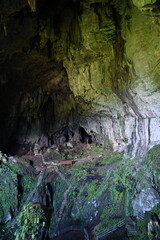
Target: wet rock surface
147 199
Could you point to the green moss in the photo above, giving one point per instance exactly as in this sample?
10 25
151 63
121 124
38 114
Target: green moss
8 191
121 189
125 140
97 149
28 183
106 220
112 158
10 196
109 176
140 175
59 187
79 172
92 189
123 174
153 158
141 228
156 209
140 237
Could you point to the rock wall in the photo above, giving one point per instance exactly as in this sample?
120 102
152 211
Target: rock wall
93 64
35 96
111 54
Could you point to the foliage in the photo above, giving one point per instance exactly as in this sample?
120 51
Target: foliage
106 220
122 175
152 158
30 222
79 172
156 210
92 189
59 187
140 237
15 186
120 188
141 228
108 177
28 183
8 191
88 184
98 149
112 158
150 168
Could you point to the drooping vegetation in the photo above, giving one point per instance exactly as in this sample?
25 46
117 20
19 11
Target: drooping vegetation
15 185
102 190
30 223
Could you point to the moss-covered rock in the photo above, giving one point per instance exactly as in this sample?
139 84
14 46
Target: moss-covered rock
15 186
108 190
98 188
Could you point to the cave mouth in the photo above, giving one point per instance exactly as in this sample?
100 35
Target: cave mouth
84 137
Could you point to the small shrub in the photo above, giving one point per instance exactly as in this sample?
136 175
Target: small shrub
31 222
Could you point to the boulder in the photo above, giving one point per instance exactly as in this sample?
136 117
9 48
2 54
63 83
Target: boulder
147 199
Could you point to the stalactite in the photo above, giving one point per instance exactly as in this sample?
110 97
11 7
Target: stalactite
32 4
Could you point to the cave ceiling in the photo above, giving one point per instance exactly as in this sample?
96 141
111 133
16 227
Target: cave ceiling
93 64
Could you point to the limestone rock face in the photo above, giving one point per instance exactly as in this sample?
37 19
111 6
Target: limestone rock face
91 64
148 7
113 68
147 199
143 2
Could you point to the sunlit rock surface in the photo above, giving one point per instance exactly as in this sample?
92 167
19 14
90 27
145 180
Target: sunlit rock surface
90 64
113 69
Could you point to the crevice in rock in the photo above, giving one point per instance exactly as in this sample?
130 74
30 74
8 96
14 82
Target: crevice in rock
149 130
84 137
19 188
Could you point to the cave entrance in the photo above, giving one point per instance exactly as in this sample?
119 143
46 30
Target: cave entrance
84 137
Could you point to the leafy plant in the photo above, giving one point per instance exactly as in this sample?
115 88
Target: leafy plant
106 220
8 191
13 192
31 222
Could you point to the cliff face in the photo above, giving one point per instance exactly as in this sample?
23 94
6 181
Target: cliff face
89 64
113 69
